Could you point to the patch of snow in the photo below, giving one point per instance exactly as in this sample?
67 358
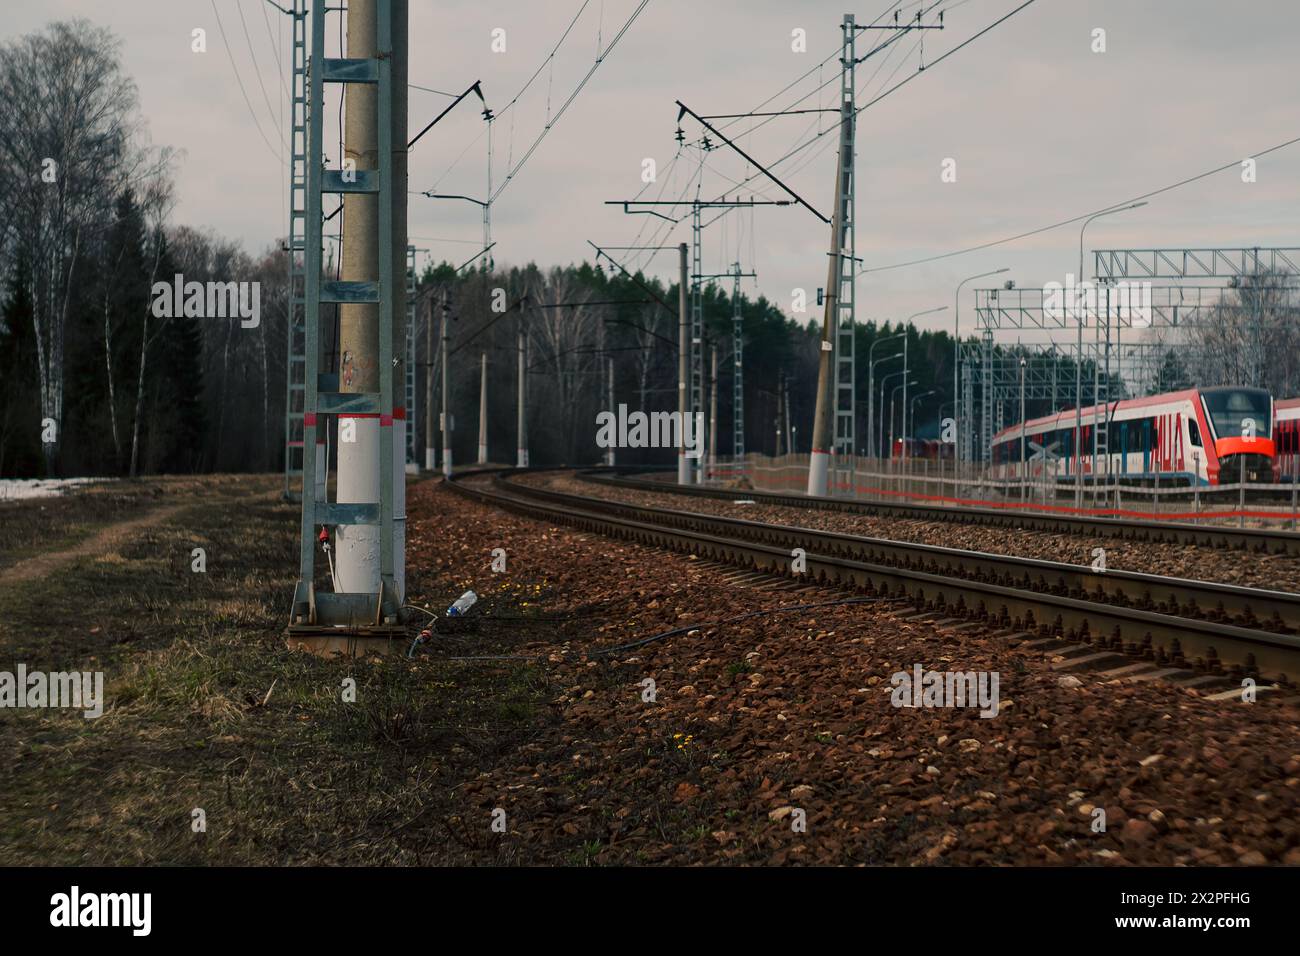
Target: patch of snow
21 489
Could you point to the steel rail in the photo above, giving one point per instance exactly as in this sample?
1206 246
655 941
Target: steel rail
1236 539
1255 608
1166 639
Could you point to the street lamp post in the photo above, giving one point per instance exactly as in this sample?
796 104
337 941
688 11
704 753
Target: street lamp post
903 385
909 411
910 432
885 378
871 383
907 324
871 395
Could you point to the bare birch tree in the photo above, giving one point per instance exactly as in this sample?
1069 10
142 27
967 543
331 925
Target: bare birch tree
68 137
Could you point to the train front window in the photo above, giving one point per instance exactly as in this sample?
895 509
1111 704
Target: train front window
1230 408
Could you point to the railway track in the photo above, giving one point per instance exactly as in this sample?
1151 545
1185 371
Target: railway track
1202 535
1190 630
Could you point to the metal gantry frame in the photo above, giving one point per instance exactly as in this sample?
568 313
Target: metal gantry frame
697 331
696 363
737 354
1121 303
994 368
738 371
1240 264
1213 263
295 374
313 611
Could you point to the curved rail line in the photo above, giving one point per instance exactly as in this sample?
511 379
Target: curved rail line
1176 624
1238 539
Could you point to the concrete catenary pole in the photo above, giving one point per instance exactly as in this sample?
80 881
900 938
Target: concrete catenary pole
482 410
713 412
609 452
819 462
430 462
400 75
683 367
780 387
521 433
789 422
357 546
446 396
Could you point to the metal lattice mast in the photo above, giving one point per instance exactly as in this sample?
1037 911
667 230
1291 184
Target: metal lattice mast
845 435
697 324
295 379
315 613
412 463
695 347
986 396
1101 382
967 435
737 356
738 372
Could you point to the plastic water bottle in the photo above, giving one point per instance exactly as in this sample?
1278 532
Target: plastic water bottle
462 604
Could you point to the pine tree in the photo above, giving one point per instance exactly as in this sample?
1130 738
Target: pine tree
177 422
20 418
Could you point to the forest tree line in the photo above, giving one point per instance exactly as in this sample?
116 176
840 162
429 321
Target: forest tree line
93 381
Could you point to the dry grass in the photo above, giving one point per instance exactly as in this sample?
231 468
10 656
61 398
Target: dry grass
189 659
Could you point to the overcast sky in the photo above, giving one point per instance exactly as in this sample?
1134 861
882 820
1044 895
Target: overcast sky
1041 129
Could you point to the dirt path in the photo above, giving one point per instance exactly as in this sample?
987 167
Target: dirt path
106 539
100 543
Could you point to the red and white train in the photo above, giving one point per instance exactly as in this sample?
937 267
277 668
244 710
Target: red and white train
1286 437
1206 436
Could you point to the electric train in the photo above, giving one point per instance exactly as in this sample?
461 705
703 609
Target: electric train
1286 436
1206 436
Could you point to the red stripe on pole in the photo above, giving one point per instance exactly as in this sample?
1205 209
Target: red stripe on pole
309 418
398 413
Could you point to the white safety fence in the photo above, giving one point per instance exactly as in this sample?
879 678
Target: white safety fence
968 484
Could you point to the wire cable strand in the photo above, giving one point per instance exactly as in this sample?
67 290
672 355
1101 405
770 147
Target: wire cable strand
1235 164
568 102
239 79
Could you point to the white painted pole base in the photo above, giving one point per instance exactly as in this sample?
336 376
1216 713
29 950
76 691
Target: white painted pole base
429 463
683 470
446 462
482 454
356 546
399 509
819 467
521 458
